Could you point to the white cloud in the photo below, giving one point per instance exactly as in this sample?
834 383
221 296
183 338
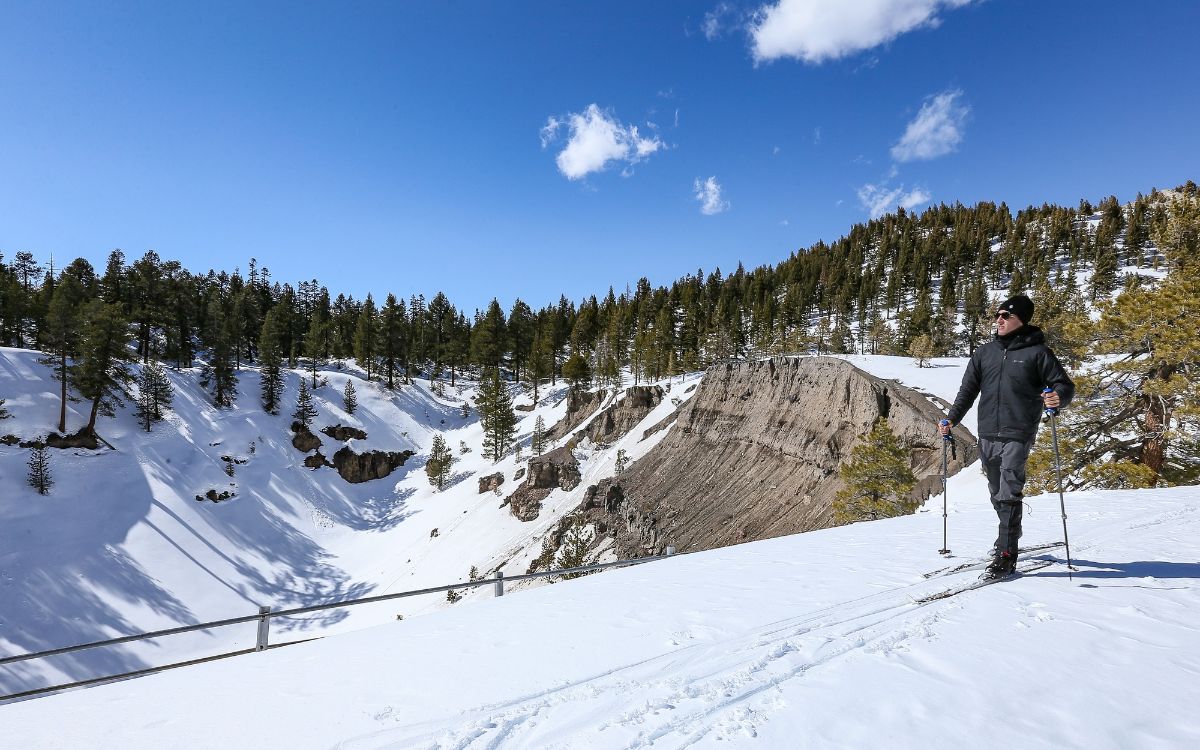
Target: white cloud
596 140
720 19
816 136
708 192
818 30
881 198
549 131
935 131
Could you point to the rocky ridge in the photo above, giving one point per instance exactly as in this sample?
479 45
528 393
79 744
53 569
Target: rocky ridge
755 454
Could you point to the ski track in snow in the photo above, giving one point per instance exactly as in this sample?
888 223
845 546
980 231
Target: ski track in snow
741 684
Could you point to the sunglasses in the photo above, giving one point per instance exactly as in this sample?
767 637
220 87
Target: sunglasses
1004 315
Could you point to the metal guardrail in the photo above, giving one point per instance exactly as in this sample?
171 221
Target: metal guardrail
265 614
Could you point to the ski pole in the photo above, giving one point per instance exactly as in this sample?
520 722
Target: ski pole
945 550
1053 414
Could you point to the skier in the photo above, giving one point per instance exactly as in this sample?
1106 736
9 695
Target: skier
1009 375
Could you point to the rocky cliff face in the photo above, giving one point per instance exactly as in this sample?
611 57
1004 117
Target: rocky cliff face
612 423
755 454
580 406
556 469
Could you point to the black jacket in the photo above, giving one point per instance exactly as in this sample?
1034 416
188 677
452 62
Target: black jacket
1008 375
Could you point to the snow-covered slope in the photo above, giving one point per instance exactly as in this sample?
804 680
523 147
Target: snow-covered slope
813 640
121 545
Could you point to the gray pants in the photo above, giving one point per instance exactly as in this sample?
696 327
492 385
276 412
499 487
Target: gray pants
1004 464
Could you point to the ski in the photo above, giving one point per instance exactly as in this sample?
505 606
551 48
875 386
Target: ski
1022 569
983 562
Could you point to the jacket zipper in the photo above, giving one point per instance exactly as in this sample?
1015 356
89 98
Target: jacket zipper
1000 391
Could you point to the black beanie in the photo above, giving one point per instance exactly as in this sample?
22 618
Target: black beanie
1020 305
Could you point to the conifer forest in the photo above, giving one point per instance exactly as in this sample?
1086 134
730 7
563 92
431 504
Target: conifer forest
1117 289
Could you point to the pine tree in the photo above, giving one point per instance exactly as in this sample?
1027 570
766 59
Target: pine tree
219 336
393 338
577 372
440 461
39 470
878 478
306 411
921 350
4 413
488 337
541 361
366 337
270 358
101 373
349 397
496 415
1136 416
539 436
61 334
316 343
155 394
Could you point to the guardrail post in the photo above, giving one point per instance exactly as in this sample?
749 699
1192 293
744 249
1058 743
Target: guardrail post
264 627
670 550
499 583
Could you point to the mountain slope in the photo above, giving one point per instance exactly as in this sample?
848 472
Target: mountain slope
808 640
122 545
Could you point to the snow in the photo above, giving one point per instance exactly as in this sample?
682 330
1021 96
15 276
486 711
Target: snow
122 546
813 640
809 640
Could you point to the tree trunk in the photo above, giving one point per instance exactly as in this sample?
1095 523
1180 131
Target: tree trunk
91 425
1158 413
62 412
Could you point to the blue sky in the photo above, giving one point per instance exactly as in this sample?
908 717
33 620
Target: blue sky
534 149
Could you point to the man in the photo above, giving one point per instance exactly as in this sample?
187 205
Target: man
1009 374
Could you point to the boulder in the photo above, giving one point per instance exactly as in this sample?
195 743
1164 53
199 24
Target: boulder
363 467
81 439
519 475
491 482
526 502
558 468
344 433
303 438
316 461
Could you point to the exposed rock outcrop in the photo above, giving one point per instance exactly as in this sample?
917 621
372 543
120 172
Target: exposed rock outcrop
618 419
363 467
491 482
303 438
344 433
316 461
81 439
580 406
755 454
556 469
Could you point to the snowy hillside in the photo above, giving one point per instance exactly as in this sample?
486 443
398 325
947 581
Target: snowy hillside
121 545
814 640
818 639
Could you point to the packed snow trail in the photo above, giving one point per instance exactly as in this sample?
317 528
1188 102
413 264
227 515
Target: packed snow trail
812 640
